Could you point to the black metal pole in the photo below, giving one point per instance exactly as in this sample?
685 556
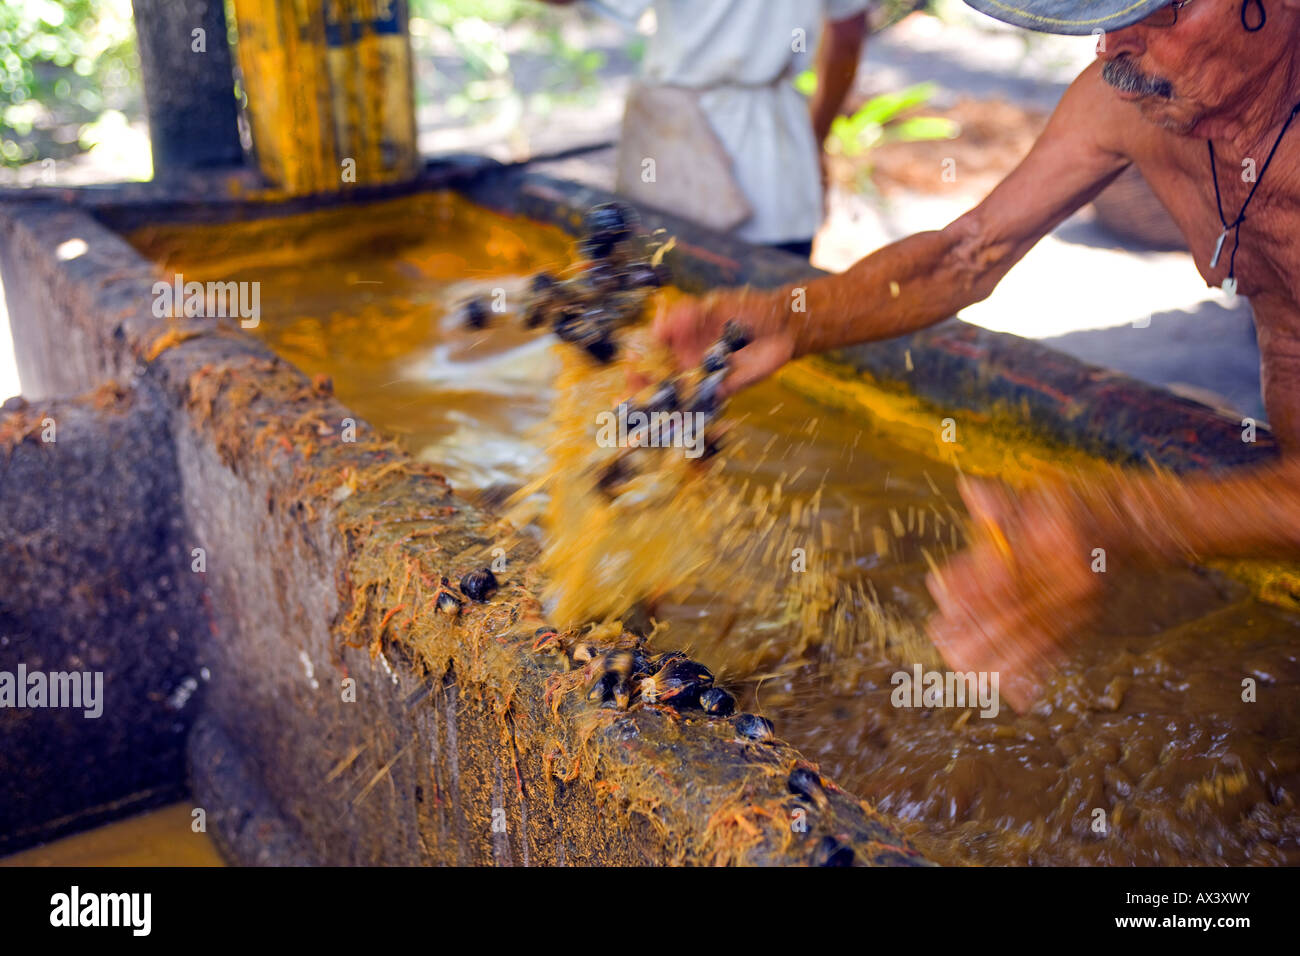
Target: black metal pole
189 85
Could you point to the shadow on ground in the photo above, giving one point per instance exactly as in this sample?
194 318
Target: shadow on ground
1211 345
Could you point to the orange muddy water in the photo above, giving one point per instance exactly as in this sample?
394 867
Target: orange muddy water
1143 750
164 837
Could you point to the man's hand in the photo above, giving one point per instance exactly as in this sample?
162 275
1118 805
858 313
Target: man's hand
1025 583
688 327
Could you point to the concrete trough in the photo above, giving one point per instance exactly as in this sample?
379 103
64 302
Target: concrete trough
338 722
97 600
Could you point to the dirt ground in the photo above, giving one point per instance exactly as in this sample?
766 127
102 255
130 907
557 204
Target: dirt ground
994 136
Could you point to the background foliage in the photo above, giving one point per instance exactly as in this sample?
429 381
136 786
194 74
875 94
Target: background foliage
490 41
69 76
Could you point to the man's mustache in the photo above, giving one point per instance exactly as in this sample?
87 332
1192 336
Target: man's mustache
1127 78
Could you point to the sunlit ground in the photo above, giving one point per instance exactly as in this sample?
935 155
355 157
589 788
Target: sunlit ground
1076 278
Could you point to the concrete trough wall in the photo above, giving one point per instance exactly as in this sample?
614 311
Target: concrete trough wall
343 724
97 588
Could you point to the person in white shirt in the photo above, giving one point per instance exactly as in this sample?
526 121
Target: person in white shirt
715 130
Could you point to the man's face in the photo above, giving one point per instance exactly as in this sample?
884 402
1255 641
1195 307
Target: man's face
1205 64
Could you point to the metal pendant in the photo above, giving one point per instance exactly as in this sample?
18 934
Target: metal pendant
1218 248
1230 286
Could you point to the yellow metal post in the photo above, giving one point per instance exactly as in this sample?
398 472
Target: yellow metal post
330 91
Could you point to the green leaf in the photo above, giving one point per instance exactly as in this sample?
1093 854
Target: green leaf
887 106
920 128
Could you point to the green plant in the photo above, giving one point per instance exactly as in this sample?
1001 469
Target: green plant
64 66
882 120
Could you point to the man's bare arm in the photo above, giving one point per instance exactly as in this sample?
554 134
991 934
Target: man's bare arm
927 277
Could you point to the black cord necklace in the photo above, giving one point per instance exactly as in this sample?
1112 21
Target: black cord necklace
1230 283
